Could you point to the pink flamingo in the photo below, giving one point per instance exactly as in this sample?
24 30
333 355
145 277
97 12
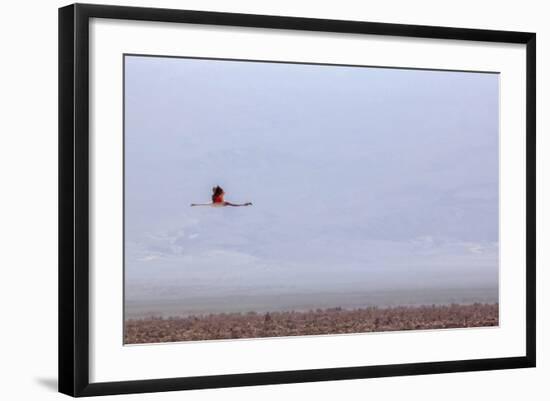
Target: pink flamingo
217 199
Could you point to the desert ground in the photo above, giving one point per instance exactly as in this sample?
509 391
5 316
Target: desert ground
304 323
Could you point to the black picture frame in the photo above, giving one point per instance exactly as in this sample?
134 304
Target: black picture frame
74 199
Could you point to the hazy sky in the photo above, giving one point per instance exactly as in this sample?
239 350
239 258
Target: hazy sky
360 177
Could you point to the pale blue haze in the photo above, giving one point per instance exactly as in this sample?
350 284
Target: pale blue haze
365 181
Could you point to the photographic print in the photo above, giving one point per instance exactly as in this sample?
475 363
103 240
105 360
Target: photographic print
272 199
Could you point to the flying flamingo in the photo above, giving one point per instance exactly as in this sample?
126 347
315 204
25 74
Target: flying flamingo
217 199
